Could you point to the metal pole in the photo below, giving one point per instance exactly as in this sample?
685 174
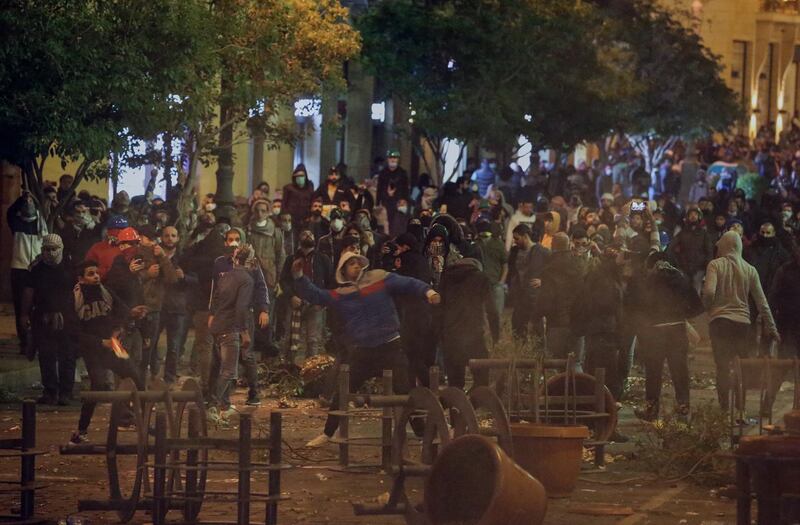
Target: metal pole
28 463
274 489
245 428
344 421
386 424
190 487
159 470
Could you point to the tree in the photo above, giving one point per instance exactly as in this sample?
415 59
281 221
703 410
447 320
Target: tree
680 92
82 78
488 72
272 52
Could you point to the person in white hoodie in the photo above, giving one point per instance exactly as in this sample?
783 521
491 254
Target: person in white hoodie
729 285
27 228
523 215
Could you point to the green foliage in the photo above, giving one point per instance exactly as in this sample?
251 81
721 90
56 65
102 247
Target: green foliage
680 87
473 69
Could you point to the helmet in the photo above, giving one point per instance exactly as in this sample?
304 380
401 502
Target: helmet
128 235
116 222
392 154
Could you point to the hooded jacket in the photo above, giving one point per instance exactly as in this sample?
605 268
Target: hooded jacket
784 297
562 279
267 241
730 282
467 300
667 296
766 256
297 200
28 228
551 228
365 306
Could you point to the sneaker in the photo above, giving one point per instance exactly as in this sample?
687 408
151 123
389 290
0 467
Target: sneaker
319 441
78 438
253 400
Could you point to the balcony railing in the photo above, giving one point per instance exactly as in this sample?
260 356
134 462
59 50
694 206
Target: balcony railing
791 7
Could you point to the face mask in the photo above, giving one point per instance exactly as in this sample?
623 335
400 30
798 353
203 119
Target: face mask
392 164
658 222
786 214
402 209
337 225
210 206
276 211
300 181
286 226
51 256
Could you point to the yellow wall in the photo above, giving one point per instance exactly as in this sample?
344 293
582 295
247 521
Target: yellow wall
53 170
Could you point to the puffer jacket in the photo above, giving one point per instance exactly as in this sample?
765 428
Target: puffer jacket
267 242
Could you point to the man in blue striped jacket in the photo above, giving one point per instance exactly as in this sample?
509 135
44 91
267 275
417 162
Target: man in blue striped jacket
370 324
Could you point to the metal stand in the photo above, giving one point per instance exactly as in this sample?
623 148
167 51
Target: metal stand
23 448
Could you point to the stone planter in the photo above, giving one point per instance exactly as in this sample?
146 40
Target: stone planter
550 453
473 481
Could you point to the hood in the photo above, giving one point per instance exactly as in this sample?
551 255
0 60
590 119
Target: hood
553 226
463 270
454 233
438 230
730 245
343 260
267 229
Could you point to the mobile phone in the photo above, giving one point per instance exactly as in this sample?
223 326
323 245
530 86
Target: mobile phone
638 206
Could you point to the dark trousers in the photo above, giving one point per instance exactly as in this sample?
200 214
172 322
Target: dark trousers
457 353
150 328
419 345
99 360
521 318
366 363
668 343
728 340
602 351
176 326
19 281
56 362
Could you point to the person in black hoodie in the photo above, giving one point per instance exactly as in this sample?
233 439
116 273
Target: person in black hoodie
199 261
784 299
667 300
525 264
467 300
416 326
692 248
101 315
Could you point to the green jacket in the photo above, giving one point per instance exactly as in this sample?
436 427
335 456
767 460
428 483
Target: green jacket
267 241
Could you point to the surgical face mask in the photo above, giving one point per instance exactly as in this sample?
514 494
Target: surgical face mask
276 211
300 181
52 255
485 235
337 225
210 206
392 164
402 209
786 214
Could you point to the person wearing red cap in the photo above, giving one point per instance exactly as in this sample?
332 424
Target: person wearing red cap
104 252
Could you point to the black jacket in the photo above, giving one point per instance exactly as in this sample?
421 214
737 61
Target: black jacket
692 249
599 307
667 296
467 300
784 296
321 272
767 256
562 279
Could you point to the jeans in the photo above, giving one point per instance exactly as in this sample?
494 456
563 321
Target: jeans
201 349
668 343
226 355
602 351
19 281
366 363
150 328
175 325
728 340
312 327
99 360
248 361
56 362
499 296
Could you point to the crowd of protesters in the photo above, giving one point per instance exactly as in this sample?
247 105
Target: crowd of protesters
602 261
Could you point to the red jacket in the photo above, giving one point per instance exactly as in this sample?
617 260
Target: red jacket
104 254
